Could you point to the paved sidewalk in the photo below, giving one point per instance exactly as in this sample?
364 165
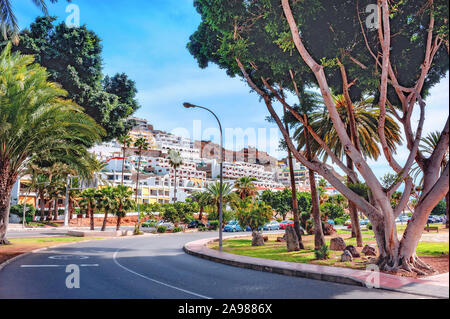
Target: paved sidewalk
436 286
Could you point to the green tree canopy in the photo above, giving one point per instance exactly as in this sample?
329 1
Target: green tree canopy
73 59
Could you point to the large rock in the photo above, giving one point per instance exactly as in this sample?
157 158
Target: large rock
346 256
337 243
257 239
369 250
353 251
292 239
281 239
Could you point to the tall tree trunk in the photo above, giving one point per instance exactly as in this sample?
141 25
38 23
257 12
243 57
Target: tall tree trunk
5 202
353 210
42 205
55 209
447 204
104 221
319 238
119 217
49 212
137 178
7 181
175 186
295 211
70 209
123 164
200 215
91 216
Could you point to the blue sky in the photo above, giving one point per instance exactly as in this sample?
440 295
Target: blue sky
147 40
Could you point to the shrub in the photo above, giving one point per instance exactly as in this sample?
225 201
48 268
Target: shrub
369 226
202 228
213 224
340 220
161 229
322 253
137 231
18 211
177 229
254 215
149 224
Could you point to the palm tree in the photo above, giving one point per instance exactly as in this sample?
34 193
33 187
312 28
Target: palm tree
123 196
35 118
126 142
229 197
245 187
106 200
203 200
366 116
89 201
142 145
8 20
175 161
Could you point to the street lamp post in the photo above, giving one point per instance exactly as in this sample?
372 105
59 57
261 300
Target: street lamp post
188 106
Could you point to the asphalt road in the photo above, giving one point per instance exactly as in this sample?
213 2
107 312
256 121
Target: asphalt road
155 267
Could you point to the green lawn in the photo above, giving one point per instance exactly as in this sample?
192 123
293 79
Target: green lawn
277 250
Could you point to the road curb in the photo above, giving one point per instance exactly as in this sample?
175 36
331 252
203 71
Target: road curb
324 273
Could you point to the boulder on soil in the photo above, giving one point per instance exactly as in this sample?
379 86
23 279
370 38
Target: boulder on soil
353 251
266 238
337 243
328 229
369 250
281 239
257 239
346 256
292 239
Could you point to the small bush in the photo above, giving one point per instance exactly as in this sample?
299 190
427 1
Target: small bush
322 253
177 229
279 220
213 224
202 228
369 226
161 229
340 220
137 231
149 224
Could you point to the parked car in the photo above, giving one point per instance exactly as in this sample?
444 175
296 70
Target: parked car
363 221
196 224
233 226
168 225
285 223
273 225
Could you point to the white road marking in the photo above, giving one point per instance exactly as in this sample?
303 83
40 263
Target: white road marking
55 266
154 280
